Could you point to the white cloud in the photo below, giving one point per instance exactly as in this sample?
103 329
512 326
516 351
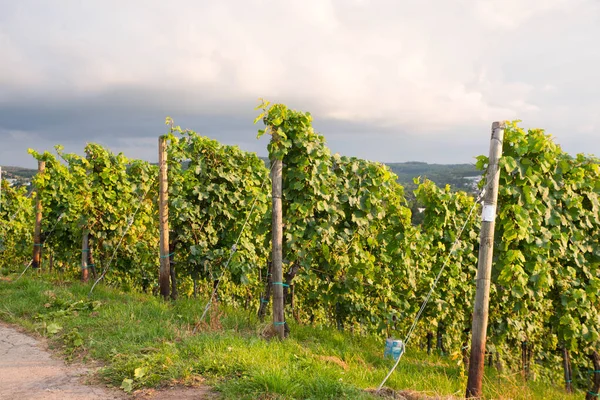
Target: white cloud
510 14
419 66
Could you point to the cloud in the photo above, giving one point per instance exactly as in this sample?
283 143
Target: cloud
511 14
72 70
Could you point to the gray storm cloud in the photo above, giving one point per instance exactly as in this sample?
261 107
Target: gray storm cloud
387 80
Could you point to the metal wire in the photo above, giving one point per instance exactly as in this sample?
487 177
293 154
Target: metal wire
233 249
47 237
435 282
131 220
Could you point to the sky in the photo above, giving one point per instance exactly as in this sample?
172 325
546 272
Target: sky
385 80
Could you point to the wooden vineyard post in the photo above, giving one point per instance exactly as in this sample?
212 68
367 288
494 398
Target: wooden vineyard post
264 300
85 248
90 257
484 267
567 370
37 232
163 212
593 394
277 241
172 271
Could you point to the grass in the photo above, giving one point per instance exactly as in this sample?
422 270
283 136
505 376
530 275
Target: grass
145 342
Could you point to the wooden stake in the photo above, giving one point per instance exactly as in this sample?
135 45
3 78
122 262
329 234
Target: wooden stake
593 394
277 256
163 211
90 256
289 276
37 232
264 299
85 248
567 370
484 267
172 271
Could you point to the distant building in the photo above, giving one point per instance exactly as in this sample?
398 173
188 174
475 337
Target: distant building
14 181
473 181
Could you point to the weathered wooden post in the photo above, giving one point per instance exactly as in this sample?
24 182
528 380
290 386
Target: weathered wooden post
172 273
37 232
163 212
567 369
91 264
593 393
264 299
277 242
484 267
85 248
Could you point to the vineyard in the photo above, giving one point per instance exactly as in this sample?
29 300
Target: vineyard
354 257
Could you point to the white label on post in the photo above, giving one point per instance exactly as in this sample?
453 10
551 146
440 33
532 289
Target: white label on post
489 213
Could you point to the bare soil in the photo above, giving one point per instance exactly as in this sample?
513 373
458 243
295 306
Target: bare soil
28 371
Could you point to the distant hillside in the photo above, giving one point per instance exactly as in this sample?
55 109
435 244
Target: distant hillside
459 176
18 172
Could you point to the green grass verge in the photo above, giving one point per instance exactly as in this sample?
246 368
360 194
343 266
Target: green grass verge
145 342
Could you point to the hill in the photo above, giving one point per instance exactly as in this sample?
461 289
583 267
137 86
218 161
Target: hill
459 176
18 172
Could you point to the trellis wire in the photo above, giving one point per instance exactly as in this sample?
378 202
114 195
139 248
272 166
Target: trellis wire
130 222
233 249
426 300
47 237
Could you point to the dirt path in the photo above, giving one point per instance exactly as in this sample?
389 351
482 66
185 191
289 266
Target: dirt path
29 372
